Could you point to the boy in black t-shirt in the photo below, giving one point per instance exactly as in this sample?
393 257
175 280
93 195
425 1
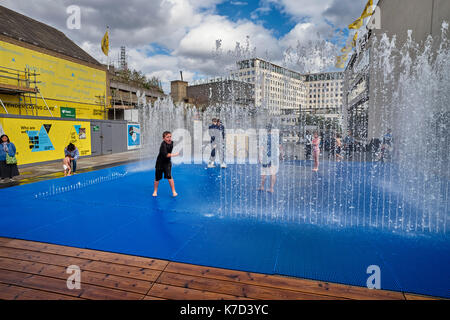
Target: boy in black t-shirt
163 163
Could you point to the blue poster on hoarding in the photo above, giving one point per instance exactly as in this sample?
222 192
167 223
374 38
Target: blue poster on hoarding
134 136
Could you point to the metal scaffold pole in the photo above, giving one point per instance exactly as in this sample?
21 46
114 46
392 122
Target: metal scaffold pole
45 102
4 106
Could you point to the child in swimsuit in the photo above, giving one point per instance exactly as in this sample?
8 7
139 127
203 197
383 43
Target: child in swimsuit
66 166
316 150
338 148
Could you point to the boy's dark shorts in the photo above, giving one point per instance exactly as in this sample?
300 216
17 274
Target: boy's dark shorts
166 169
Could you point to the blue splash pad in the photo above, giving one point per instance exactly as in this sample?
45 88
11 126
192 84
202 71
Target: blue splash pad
327 226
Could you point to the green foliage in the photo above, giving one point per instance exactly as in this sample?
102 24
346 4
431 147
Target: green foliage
139 78
321 122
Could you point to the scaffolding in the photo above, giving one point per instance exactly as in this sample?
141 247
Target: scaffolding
24 86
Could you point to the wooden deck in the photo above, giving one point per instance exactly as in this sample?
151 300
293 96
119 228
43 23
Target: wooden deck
34 270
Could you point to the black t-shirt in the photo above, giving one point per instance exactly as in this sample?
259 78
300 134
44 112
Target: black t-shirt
162 159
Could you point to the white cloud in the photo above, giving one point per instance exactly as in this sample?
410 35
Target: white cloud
238 3
301 8
187 30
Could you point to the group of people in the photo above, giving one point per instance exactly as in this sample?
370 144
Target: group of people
71 155
163 166
268 155
8 161
312 146
335 146
338 148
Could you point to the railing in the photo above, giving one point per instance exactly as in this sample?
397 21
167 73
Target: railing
17 78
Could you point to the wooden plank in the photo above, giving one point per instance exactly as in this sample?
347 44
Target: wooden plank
84 264
14 88
135 274
12 292
116 258
153 298
235 288
282 282
410 296
60 286
178 293
99 279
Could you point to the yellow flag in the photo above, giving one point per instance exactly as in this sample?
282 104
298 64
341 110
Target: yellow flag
340 61
367 10
354 40
357 24
105 43
346 49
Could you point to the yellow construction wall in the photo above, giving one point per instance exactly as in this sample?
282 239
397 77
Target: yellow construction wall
63 83
45 140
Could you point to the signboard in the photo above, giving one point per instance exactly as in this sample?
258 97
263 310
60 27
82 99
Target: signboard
67 112
45 140
133 136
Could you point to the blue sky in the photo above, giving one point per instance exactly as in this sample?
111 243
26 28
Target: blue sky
163 37
281 23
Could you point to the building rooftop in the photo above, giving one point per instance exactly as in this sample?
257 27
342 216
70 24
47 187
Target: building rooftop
337 75
22 28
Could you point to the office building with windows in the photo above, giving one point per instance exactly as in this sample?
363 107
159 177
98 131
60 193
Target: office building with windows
324 93
280 90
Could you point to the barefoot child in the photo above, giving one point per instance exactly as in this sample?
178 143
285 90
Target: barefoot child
163 163
66 166
338 148
316 150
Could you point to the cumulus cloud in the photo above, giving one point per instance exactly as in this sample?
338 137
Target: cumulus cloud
187 30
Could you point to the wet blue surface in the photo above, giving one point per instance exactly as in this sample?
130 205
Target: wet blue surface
330 226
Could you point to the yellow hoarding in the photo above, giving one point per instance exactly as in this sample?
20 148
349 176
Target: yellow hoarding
45 140
62 83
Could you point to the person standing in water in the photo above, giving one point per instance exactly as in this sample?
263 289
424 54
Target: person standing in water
213 132
316 150
308 139
164 164
221 143
269 156
338 148
386 146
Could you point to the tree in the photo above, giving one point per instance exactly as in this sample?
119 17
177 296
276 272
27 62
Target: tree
138 77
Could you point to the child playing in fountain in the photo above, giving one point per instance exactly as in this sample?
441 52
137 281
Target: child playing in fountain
316 150
164 164
66 166
338 147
